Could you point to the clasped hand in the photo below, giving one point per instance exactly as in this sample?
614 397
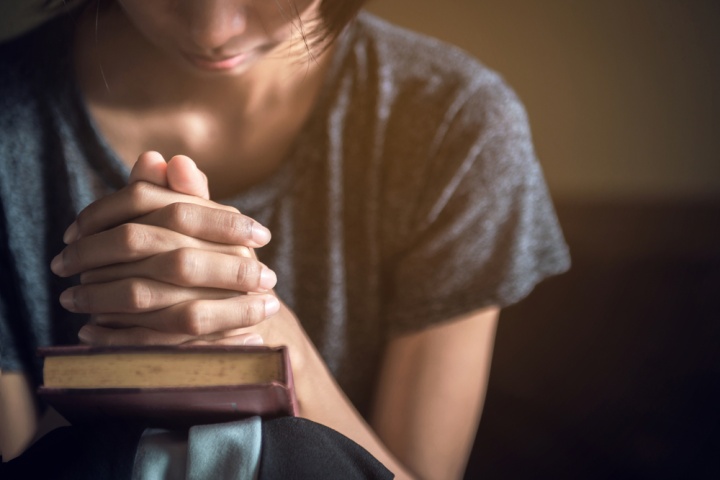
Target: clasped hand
160 263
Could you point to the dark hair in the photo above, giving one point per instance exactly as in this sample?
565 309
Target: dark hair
334 16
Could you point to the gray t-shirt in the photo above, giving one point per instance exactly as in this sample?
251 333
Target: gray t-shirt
411 196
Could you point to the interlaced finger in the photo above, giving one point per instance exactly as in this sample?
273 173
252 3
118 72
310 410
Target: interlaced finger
128 243
191 267
133 295
198 318
211 224
125 205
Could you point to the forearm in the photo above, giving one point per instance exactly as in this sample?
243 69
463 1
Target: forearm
18 415
431 392
320 398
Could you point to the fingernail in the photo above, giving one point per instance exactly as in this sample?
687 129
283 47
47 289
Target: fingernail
272 305
57 264
85 334
268 279
71 233
260 234
253 339
67 299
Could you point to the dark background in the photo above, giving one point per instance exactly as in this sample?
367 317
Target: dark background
613 369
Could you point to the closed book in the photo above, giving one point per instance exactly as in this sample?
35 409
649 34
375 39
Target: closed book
168 386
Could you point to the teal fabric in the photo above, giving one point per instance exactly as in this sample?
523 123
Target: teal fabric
226 450
161 455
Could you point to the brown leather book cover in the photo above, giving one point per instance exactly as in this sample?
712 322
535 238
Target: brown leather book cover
175 406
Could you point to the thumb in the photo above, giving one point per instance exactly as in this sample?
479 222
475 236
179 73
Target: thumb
184 177
150 167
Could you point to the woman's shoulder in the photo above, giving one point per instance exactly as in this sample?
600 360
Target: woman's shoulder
427 77
415 57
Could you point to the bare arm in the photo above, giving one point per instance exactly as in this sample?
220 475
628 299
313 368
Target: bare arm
428 403
429 399
18 416
20 422
431 394
320 398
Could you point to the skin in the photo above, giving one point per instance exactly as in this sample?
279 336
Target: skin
144 254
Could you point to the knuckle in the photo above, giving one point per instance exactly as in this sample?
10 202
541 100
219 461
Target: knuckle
196 319
139 296
138 193
180 215
184 266
239 226
246 273
252 312
241 273
126 233
134 237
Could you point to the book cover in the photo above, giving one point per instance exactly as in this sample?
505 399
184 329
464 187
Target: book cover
171 387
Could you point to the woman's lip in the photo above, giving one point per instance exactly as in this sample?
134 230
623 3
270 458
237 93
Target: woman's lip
227 63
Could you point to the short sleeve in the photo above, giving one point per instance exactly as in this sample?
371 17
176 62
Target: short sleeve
484 231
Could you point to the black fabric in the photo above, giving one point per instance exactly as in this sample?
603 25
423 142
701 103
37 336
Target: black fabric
292 448
102 452
297 448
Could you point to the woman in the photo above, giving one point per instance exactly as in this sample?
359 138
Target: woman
395 175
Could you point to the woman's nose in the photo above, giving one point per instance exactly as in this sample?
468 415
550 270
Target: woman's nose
213 23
